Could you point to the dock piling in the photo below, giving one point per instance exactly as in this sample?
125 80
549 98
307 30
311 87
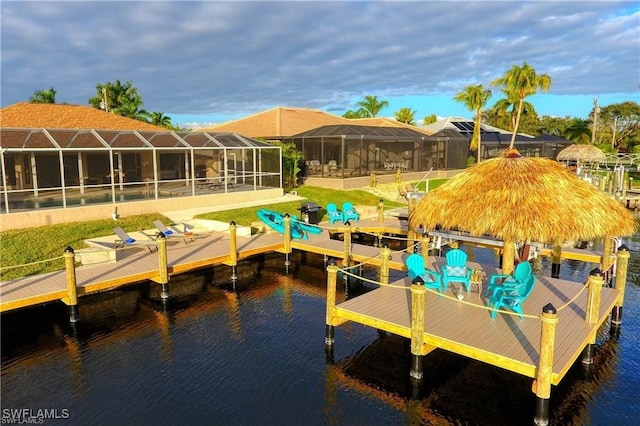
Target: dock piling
595 282
287 241
163 272
542 382
556 259
418 292
233 251
384 264
622 265
332 279
72 289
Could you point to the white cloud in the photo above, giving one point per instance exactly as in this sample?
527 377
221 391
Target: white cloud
235 58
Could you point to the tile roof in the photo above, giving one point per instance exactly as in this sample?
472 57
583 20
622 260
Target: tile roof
277 123
64 116
389 122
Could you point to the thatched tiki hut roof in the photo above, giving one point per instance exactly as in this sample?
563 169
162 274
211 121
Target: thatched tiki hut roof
519 199
584 153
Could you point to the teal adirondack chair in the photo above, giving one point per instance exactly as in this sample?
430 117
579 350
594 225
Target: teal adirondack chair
349 212
456 269
511 297
519 276
333 213
416 270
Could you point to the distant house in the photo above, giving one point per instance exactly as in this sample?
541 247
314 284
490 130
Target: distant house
63 156
494 140
275 124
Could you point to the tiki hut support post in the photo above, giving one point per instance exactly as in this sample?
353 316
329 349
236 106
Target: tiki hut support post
233 250
287 240
424 245
622 266
508 256
332 278
385 255
556 259
72 289
594 284
418 292
542 383
607 250
346 260
163 271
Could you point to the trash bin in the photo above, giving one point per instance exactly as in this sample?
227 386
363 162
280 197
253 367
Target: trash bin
309 212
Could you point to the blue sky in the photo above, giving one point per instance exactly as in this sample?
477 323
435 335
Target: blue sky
209 62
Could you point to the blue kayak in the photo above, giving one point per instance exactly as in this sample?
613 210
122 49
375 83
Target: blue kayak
275 221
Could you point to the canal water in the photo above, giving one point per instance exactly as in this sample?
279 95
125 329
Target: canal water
254 354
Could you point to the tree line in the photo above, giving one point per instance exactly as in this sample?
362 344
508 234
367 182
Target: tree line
613 128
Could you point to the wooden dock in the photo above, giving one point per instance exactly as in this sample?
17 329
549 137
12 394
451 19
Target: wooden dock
466 327
206 251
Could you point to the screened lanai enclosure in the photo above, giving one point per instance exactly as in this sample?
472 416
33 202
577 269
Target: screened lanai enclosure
344 151
62 168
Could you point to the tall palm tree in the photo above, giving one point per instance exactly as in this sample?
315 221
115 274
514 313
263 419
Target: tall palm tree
474 98
506 109
371 106
406 115
44 96
522 81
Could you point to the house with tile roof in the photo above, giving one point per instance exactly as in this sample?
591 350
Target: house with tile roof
278 123
58 158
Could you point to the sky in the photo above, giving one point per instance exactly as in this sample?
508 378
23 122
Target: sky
207 62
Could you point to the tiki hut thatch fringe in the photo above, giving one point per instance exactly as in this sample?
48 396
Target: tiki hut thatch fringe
582 153
521 199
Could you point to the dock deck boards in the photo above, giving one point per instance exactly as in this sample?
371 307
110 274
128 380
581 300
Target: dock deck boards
467 328
464 327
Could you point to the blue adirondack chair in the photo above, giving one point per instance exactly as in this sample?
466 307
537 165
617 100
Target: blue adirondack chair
456 269
416 270
333 213
511 297
349 212
518 277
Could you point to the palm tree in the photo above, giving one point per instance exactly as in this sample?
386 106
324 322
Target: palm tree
159 119
474 98
578 131
371 106
406 115
506 109
44 96
520 82
429 119
355 114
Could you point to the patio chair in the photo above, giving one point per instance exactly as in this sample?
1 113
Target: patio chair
419 274
333 165
349 212
520 274
511 298
125 239
456 269
333 213
174 232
